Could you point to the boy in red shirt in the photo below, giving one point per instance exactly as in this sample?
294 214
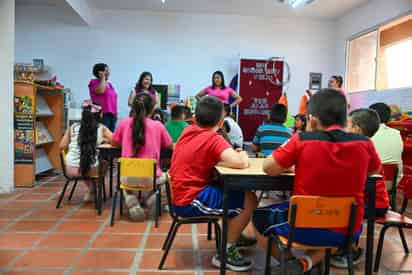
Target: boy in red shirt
328 162
199 149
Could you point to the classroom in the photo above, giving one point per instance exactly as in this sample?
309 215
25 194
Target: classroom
190 137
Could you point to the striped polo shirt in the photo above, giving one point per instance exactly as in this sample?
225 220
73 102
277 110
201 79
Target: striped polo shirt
270 136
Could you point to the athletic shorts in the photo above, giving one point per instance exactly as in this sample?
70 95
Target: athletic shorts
209 202
274 220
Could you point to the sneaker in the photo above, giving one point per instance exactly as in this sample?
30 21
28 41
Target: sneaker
245 241
136 214
341 261
130 200
235 261
293 267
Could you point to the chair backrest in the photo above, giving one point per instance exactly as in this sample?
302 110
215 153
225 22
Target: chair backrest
139 168
169 195
321 212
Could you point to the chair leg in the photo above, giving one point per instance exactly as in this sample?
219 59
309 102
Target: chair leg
268 256
379 249
73 188
168 245
169 234
209 231
104 191
350 262
327 261
121 202
157 208
403 239
218 236
159 189
96 199
62 194
260 197
282 260
114 207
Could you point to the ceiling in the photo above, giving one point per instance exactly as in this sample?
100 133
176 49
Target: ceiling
329 9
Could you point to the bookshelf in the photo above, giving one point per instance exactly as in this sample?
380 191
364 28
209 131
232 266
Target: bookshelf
38 128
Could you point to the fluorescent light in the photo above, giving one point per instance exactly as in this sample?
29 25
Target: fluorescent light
296 3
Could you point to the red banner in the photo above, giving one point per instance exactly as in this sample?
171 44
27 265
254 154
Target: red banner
260 86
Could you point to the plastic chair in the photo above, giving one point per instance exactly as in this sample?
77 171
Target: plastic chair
397 220
178 221
141 169
76 180
315 212
390 172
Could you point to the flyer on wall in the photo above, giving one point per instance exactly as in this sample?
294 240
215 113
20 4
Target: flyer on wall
24 129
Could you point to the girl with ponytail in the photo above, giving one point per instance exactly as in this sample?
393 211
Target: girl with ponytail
80 142
141 137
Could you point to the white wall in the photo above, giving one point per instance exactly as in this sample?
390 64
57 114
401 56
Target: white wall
6 87
177 48
375 12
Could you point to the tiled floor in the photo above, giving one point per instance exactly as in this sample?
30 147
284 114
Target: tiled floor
36 238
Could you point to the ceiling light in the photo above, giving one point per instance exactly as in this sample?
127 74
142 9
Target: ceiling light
299 3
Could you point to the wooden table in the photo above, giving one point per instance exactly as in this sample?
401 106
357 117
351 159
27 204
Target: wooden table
253 178
109 153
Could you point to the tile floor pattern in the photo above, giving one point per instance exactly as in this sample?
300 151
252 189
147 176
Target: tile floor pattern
36 238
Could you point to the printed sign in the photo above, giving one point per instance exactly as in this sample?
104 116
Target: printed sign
260 87
24 130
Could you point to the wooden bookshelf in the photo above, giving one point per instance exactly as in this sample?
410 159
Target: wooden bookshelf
41 155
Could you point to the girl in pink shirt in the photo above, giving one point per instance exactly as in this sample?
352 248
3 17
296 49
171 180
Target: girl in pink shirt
219 90
141 137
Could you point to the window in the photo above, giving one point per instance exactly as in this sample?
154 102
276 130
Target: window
381 59
362 63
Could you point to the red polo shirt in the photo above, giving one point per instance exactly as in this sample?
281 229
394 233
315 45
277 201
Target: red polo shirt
330 163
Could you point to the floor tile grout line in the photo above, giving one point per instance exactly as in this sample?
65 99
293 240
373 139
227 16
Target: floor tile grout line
196 252
87 246
140 250
36 243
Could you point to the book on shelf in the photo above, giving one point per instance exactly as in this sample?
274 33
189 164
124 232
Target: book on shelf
42 108
42 134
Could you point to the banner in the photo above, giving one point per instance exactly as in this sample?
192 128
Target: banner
24 129
260 86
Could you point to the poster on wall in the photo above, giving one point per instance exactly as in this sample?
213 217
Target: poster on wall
23 129
260 86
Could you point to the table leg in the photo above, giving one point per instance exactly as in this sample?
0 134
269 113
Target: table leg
111 177
100 187
224 232
371 226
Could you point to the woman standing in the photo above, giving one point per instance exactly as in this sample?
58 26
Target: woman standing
219 90
103 92
144 85
336 83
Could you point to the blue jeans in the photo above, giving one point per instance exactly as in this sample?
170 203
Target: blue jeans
109 120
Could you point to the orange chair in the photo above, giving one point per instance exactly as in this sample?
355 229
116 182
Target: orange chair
390 173
397 220
315 212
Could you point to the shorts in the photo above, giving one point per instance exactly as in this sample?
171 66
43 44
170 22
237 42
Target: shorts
274 220
209 202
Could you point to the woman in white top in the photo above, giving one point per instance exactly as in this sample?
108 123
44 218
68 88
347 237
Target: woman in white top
80 142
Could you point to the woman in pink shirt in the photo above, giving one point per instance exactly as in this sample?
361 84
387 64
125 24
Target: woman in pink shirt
103 92
219 90
144 85
141 137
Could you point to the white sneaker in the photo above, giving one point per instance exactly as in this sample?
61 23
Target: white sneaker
136 214
130 200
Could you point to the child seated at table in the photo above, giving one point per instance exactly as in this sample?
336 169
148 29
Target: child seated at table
141 137
198 151
80 142
324 161
273 133
364 122
177 124
232 129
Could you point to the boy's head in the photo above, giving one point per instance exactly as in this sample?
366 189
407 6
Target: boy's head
209 112
178 112
363 122
383 110
326 108
187 112
278 113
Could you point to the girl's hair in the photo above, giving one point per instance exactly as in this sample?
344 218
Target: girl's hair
219 73
87 138
303 119
139 84
143 105
338 79
99 67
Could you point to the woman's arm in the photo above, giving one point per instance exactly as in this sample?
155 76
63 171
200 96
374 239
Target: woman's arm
64 143
200 95
131 98
237 98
